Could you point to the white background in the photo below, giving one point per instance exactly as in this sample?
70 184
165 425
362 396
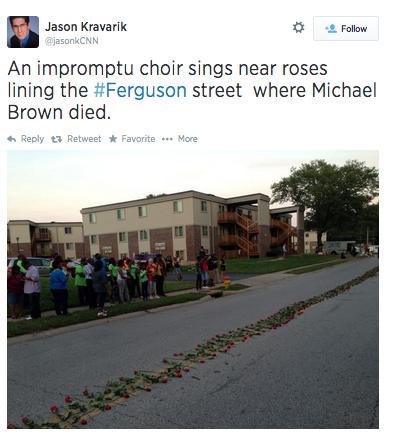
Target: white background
223 32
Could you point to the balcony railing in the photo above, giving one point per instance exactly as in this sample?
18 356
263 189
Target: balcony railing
43 236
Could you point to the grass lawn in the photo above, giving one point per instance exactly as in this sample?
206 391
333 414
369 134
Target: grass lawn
318 267
270 265
47 303
21 327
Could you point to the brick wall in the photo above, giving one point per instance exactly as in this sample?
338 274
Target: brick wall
109 240
264 240
216 240
193 242
133 243
87 247
163 235
80 251
59 248
300 242
24 248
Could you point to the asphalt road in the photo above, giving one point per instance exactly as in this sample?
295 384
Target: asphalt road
320 371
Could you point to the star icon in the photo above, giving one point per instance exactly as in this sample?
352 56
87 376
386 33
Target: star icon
113 138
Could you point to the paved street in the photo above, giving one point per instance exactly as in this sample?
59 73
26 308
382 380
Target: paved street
319 371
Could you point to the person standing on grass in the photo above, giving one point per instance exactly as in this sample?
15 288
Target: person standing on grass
177 266
223 268
32 289
91 295
100 286
198 271
21 259
58 287
15 290
135 283
144 280
284 250
113 271
160 275
122 279
205 272
81 282
151 271
211 268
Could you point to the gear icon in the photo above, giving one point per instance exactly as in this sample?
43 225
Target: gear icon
298 27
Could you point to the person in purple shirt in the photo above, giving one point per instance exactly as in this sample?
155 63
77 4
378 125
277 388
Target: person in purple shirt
32 289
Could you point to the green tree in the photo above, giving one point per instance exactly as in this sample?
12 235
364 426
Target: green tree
332 195
358 226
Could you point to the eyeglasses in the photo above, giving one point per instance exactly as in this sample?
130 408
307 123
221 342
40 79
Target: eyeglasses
22 26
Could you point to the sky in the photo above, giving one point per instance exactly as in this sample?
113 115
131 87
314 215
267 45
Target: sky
45 186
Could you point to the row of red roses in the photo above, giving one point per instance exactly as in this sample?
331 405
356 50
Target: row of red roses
125 387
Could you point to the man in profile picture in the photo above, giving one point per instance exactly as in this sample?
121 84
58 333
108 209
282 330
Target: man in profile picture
24 37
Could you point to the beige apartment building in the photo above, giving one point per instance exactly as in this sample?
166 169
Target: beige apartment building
180 223
311 241
45 239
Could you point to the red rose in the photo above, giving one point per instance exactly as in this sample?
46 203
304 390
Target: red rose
126 396
214 354
68 399
85 392
186 370
83 422
121 378
164 361
108 407
180 354
148 389
202 361
135 372
178 375
11 426
177 370
164 381
175 354
225 350
198 345
228 347
25 420
54 409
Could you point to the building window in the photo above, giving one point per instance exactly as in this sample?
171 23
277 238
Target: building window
92 218
307 235
122 236
204 231
142 211
94 239
180 254
68 230
306 243
70 246
221 208
144 234
120 214
178 231
204 206
178 206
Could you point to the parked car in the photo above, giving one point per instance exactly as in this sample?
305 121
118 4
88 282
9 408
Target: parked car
42 264
143 258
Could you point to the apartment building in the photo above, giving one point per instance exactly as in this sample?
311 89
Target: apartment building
180 223
44 239
311 241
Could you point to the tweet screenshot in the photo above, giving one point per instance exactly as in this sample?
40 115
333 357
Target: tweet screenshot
193 213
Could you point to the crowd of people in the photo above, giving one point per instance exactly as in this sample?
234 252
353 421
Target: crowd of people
207 270
96 279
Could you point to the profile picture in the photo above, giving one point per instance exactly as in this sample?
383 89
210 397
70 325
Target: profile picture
22 32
